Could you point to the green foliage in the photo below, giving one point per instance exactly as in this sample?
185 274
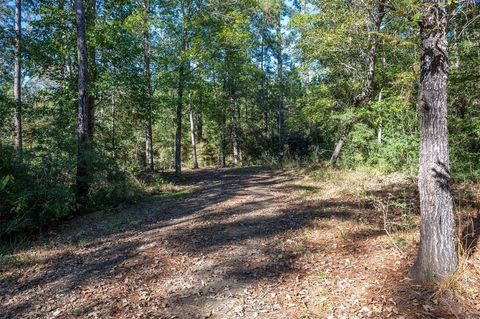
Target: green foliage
37 191
34 192
232 80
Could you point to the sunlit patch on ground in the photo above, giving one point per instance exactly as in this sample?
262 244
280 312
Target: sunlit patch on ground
245 243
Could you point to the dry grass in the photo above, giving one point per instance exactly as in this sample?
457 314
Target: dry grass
394 197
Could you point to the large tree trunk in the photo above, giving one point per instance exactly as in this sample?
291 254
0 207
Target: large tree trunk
192 134
83 142
437 256
17 81
367 87
148 91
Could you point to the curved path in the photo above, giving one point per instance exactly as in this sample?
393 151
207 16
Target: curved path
244 243
197 257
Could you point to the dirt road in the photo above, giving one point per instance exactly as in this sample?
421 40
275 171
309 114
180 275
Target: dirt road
242 244
189 258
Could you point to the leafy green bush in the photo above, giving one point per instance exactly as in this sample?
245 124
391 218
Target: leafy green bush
39 190
33 193
111 185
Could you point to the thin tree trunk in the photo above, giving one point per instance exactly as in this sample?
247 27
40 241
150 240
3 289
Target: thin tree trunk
280 119
367 87
233 103
192 134
186 9
262 89
306 71
379 130
437 256
148 91
339 145
113 128
200 120
199 127
149 145
69 56
222 124
90 20
221 156
239 114
379 134
83 142
64 66
17 82
236 157
178 133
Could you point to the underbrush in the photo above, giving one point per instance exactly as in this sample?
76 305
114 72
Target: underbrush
38 191
34 191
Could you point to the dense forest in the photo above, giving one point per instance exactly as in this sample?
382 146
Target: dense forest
106 103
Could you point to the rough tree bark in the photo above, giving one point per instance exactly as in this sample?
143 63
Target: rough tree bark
148 90
192 134
437 256
367 87
83 138
17 81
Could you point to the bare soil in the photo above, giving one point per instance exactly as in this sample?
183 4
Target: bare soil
245 243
